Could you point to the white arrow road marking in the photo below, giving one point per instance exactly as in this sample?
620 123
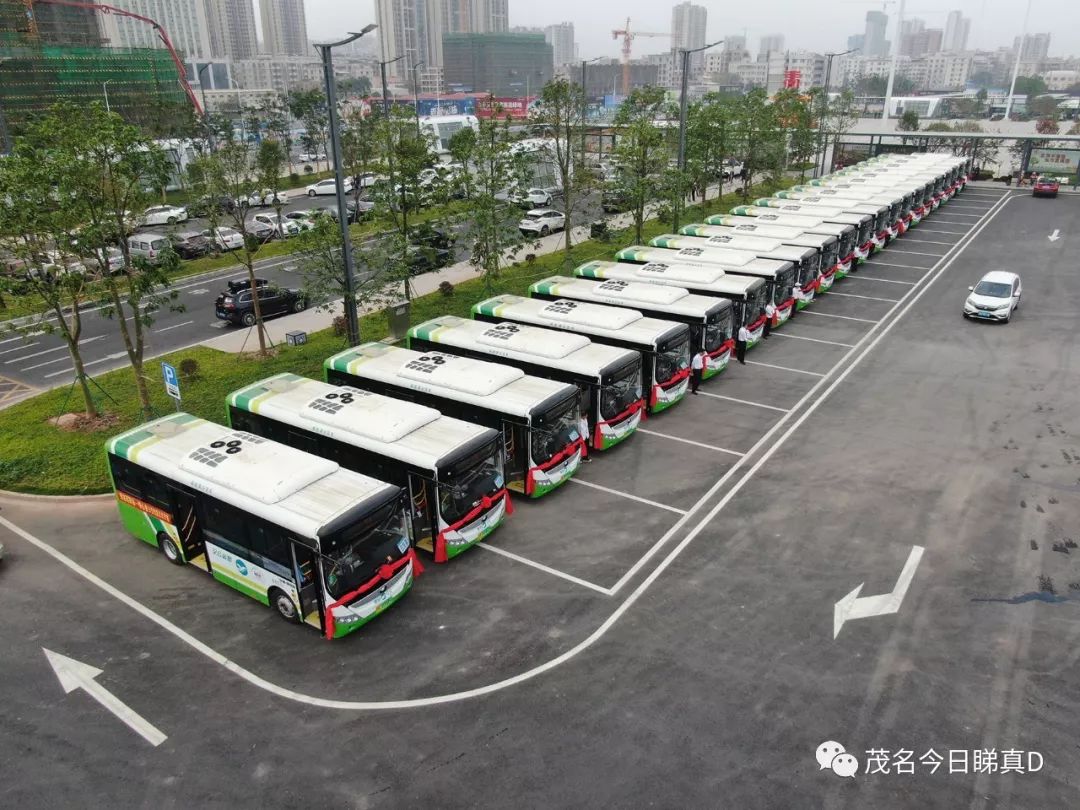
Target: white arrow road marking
853 606
200 291
1055 235
77 675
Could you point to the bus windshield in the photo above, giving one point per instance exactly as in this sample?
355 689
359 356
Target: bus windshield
622 392
555 429
717 330
755 305
785 285
808 268
672 357
847 243
465 482
829 255
353 556
864 232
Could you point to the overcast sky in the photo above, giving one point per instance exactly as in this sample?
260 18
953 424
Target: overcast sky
819 25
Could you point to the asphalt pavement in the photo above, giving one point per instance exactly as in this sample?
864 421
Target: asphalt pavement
41 361
862 537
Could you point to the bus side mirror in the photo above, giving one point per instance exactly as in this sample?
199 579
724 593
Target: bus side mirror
971 289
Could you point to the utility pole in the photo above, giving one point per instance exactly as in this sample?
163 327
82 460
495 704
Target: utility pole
1016 64
382 72
105 90
685 53
349 303
416 96
895 56
824 108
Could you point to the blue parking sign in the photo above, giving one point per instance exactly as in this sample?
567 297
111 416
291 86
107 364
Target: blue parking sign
172 382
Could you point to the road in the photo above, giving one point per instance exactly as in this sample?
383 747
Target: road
42 360
663 632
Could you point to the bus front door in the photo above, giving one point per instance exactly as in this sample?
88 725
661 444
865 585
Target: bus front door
422 512
307 583
187 526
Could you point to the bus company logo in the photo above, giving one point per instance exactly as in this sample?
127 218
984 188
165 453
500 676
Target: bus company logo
654 267
502 331
691 251
613 285
241 566
427 364
720 240
560 307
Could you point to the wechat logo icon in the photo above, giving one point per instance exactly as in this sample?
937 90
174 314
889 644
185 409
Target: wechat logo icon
832 756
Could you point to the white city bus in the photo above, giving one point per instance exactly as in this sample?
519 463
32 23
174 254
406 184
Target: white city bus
664 345
452 470
827 245
884 209
609 378
779 276
540 420
709 319
896 201
320 544
922 188
847 236
869 241
806 259
747 294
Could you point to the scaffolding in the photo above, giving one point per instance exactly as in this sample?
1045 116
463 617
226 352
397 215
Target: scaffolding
53 52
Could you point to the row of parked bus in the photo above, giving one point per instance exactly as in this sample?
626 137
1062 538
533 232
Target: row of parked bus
316 496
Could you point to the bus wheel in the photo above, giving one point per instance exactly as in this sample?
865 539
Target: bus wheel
170 549
283 604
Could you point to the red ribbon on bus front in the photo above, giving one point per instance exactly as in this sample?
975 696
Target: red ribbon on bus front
385 573
786 305
676 378
565 453
598 436
485 503
726 346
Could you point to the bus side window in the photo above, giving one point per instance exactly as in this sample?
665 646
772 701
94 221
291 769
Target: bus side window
225 522
126 476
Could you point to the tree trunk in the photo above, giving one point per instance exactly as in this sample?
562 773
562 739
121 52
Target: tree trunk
71 334
259 326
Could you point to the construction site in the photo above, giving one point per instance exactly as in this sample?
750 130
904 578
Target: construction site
53 52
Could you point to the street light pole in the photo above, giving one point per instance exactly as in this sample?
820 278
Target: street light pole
349 299
892 67
682 124
382 71
105 90
1016 64
206 110
416 96
824 106
584 104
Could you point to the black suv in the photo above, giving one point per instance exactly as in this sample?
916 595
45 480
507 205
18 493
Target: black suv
237 305
189 244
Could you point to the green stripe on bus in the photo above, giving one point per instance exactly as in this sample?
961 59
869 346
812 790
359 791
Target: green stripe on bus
243 587
122 445
425 331
489 308
545 287
629 254
741 210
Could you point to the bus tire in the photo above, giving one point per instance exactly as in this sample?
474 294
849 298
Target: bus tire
283 604
170 549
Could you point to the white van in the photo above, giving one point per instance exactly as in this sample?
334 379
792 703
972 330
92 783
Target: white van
148 246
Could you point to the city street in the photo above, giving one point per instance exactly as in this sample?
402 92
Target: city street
41 361
861 536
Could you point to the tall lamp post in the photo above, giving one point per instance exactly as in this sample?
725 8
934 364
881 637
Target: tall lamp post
685 52
105 90
824 106
382 73
325 51
205 109
585 102
416 96
1016 64
892 65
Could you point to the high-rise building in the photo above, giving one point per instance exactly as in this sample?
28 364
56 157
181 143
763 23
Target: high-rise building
410 28
770 44
231 25
874 43
957 29
561 39
284 27
184 20
917 40
505 65
490 16
688 32
855 42
1035 47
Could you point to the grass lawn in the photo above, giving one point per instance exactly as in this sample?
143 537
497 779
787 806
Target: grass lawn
39 458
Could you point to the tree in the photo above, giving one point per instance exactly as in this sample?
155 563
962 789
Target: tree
981 79
909 121
359 149
1030 86
981 97
109 169
1044 106
1047 126
841 115
359 86
462 148
758 135
491 226
641 153
795 116
558 117
709 141
309 106
34 230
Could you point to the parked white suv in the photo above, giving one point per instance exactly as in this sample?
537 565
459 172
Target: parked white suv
541 222
328 186
282 227
994 298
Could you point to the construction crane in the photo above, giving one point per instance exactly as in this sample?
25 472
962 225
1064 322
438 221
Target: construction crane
628 37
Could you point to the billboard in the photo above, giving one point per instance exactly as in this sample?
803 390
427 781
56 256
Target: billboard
503 107
1054 161
792 79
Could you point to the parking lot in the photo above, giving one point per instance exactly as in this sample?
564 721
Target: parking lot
680 591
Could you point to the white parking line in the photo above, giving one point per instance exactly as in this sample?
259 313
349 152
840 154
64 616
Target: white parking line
969 205
883 280
784 368
744 402
948 233
866 297
31 344
927 242
546 569
958 214
812 340
898 252
104 359
657 504
48 351
690 441
47 363
841 317
892 264
174 326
